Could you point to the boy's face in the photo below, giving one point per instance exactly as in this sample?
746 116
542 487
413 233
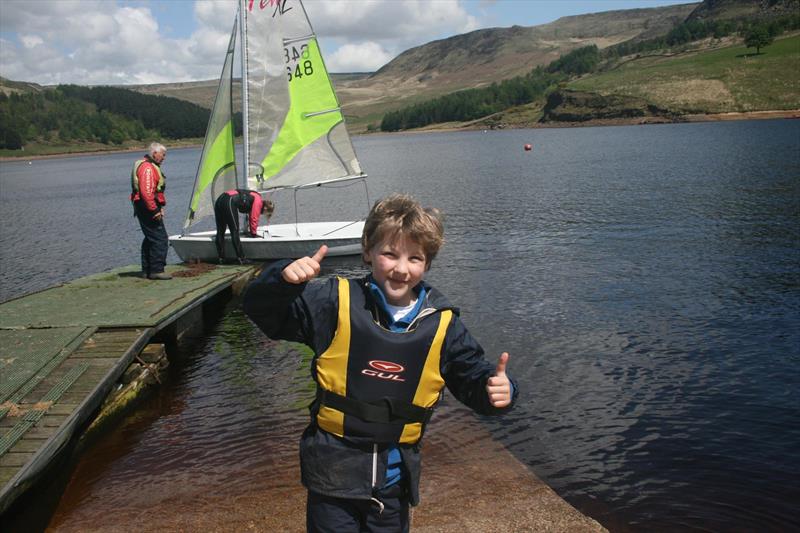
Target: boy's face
398 265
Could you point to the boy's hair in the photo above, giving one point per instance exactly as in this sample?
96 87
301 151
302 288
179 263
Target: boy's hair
401 215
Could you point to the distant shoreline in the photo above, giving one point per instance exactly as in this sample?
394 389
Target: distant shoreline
631 121
634 121
142 150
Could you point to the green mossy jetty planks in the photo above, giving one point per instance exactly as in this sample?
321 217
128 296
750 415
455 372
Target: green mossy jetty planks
63 348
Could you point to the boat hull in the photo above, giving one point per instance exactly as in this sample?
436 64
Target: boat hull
278 241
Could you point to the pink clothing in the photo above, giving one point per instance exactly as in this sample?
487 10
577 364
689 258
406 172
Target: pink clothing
252 202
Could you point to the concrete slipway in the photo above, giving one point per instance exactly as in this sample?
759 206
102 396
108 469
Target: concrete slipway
62 350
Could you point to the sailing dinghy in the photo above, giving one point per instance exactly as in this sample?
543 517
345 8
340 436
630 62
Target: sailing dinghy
294 137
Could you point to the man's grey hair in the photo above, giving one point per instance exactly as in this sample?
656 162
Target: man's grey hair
157 148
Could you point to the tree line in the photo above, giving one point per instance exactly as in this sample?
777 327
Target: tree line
51 117
171 117
108 115
472 104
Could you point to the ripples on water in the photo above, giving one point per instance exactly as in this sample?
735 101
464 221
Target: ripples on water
224 426
645 280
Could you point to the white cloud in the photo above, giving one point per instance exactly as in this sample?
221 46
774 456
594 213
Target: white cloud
361 57
215 14
105 42
392 26
410 22
30 41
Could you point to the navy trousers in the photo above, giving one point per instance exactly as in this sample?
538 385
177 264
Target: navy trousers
227 216
325 514
155 244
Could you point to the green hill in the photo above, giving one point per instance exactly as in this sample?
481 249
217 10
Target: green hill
714 81
670 88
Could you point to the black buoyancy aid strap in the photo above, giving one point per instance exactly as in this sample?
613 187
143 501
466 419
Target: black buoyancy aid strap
385 410
245 200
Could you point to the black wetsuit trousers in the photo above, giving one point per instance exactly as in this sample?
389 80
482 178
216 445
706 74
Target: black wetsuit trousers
227 217
155 244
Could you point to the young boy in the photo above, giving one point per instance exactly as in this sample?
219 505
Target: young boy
384 347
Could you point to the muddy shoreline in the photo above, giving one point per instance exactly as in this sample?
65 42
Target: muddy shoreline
637 121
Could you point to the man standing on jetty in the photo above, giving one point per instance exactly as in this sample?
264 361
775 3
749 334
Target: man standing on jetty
147 195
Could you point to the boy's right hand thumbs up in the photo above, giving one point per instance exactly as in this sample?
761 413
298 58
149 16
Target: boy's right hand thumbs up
498 387
305 268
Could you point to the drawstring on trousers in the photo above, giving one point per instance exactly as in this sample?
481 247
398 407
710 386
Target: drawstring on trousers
380 505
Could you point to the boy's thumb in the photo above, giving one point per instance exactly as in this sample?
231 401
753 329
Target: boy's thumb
501 365
320 254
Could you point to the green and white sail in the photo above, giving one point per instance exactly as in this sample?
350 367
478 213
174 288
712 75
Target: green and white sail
216 172
294 128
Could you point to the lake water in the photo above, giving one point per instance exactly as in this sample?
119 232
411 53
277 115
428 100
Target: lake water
644 279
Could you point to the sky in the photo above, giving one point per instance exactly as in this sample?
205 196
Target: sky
128 42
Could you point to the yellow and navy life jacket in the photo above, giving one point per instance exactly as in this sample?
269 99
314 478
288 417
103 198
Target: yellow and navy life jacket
376 385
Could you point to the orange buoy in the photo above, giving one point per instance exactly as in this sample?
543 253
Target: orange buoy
528 147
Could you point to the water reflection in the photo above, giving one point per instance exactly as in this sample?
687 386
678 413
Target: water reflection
224 427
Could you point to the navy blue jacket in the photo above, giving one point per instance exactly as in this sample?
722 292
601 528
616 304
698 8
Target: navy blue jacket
307 313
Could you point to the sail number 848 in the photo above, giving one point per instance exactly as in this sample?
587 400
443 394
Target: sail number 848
295 68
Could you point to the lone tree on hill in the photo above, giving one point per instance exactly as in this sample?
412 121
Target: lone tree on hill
758 37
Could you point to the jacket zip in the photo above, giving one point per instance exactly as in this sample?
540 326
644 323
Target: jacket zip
422 314
374 465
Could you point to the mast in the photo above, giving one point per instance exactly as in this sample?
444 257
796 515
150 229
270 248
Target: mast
243 54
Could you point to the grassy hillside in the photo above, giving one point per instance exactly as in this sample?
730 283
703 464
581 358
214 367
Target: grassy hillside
732 9
9 87
728 79
475 59
481 57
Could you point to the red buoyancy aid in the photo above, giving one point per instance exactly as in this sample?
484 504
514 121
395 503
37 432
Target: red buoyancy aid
148 184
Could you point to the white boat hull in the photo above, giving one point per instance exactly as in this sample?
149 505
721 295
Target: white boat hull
278 241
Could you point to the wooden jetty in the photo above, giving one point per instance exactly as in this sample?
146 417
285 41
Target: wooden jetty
63 349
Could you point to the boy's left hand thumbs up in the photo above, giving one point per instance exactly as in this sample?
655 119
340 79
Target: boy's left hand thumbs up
498 387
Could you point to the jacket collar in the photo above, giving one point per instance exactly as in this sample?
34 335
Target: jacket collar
380 299
429 301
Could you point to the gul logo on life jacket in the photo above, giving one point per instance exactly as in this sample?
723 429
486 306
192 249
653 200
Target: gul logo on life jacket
384 370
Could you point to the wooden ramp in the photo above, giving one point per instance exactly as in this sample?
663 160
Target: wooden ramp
62 349
470 483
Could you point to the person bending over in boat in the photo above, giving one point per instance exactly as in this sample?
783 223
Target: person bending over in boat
147 196
226 209
384 348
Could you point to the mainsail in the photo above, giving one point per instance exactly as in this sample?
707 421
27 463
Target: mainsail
216 172
295 131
